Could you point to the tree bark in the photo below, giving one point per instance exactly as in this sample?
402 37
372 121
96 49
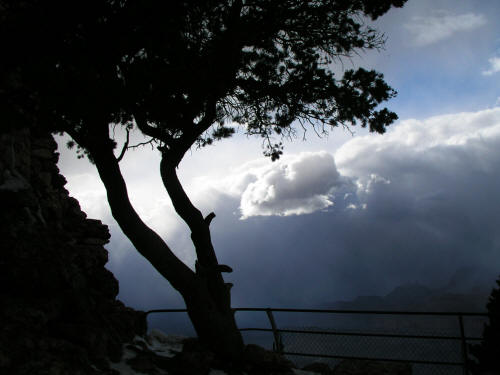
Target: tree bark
206 295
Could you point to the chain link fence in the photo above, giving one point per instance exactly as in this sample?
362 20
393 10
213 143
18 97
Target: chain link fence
358 344
433 343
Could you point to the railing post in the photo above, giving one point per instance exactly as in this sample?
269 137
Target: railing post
464 343
277 345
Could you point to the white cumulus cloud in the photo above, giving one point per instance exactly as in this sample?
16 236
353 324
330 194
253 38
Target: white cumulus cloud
442 25
494 66
294 185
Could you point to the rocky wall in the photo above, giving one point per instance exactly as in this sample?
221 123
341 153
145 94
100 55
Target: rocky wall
59 313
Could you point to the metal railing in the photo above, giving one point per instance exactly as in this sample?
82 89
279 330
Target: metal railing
278 344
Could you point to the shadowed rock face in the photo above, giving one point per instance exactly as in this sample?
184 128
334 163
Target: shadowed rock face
59 310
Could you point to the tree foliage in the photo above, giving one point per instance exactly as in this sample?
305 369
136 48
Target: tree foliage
179 68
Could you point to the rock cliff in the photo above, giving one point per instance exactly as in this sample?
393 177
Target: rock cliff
59 313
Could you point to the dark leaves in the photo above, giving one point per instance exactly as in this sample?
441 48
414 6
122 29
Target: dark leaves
264 65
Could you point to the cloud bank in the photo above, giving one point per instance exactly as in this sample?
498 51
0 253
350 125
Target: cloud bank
442 25
437 142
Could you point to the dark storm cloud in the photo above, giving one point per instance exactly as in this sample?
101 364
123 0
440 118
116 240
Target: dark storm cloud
425 205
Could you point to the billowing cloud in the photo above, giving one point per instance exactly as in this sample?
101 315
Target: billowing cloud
436 141
296 184
494 66
442 25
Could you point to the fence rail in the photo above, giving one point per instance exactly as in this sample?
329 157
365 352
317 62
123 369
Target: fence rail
280 348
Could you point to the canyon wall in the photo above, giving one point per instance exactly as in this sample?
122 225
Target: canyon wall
59 313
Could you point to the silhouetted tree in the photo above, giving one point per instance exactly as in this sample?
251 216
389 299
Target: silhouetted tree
186 73
487 352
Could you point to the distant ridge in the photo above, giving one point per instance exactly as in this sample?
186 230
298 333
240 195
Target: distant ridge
468 290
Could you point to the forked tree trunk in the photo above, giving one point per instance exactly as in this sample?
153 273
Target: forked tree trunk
206 295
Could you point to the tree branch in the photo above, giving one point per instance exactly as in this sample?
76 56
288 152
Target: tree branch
207 266
146 129
184 143
187 211
169 162
125 147
208 219
150 142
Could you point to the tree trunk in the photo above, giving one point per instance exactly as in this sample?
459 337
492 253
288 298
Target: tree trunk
206 295
215 326
209 302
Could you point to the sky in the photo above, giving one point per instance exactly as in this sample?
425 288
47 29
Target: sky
348 214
